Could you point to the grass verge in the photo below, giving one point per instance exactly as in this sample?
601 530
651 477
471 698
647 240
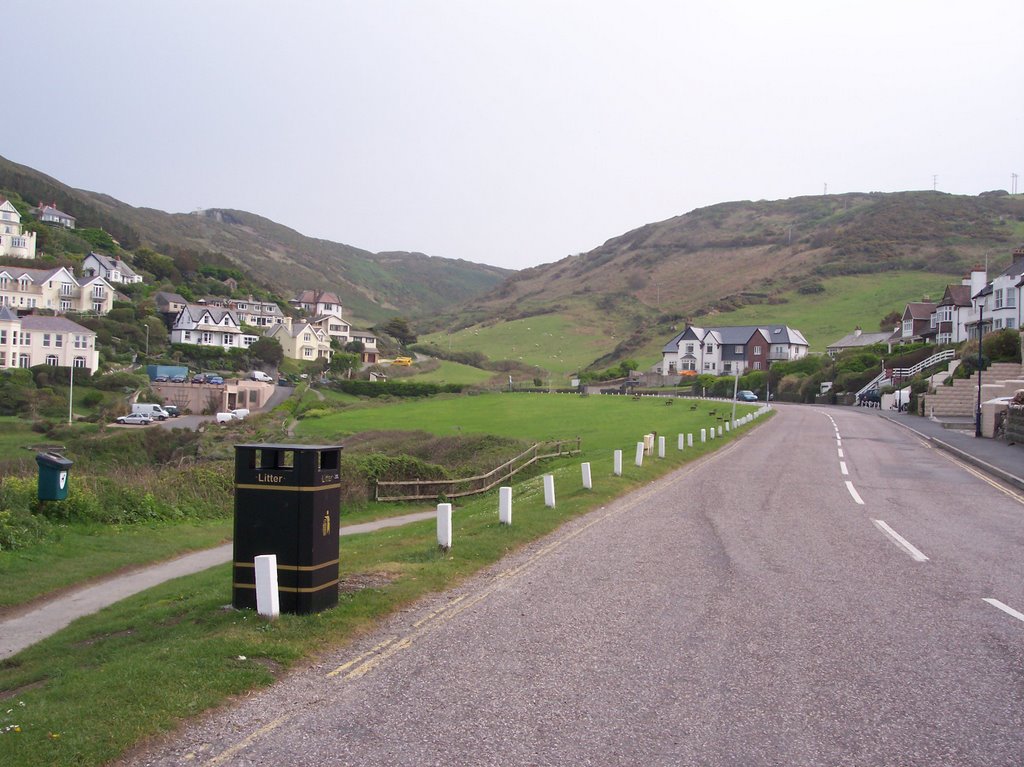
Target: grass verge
175 651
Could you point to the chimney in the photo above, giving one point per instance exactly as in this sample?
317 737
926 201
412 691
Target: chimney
1018 254
979 278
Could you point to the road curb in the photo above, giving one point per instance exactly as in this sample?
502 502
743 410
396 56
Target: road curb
995 471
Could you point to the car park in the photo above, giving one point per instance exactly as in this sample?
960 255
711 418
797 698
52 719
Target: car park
139 419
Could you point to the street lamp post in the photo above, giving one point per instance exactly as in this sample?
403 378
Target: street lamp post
147 340
981 334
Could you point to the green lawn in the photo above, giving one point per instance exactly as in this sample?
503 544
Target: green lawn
15 436
174 652
451 373
603 422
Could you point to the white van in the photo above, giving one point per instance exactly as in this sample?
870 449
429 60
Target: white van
240 413
226 417
259 375
153 410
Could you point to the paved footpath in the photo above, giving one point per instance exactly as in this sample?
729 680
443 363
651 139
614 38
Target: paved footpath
29 625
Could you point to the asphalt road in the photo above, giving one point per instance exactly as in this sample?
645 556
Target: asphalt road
759 607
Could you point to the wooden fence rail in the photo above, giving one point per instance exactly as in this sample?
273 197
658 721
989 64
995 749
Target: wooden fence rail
431 489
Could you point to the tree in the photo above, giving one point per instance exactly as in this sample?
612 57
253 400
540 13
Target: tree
398 328
891 320
342 363
355 347
267 350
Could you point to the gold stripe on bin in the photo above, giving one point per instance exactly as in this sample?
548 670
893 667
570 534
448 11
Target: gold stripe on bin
296 568
290 488
291 589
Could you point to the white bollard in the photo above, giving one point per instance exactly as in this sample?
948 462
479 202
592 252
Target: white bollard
689 439
727 426
549 490
505 505
617 463
719 431
703 435
587 483
682 441
444 525
267 598
639 453
661 447
712 433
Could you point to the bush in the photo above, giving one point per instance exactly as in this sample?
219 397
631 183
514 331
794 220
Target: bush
395 389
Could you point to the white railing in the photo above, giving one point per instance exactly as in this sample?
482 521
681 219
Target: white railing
935 359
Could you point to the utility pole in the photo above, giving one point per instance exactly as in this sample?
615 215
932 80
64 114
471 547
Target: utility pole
826 188
1013 183
935 182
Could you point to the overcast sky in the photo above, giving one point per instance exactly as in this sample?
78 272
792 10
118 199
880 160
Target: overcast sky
508 133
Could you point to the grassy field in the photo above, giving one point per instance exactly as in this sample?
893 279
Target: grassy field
559 343
173 652
604 423
452 373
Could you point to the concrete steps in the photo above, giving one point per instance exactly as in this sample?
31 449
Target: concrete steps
961 399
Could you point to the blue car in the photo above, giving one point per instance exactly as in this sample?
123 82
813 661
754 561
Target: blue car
746 396
216 380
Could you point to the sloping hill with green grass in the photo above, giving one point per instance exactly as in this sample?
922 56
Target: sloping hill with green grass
372 286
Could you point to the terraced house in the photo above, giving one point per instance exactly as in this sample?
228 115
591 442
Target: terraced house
55 289
36 340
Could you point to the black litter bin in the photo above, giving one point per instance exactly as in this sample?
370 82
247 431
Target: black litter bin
53 476
287 500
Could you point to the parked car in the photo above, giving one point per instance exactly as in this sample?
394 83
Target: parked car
226 417
172 410
259 375
240 413
282 381
870 398
199 378
216 380
178 379
139 419
746 395
159 379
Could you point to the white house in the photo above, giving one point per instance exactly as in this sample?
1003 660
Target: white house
13 242
110 269
209 326
37 340
48 213
999 298
729 349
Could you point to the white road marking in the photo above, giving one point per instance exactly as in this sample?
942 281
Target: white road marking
914 552
1006 609
841 453
854 493
842 468
839 442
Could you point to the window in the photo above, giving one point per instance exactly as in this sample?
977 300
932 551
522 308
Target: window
727 367
206 338
1011 298
46 340
18 242
945 314
51 359
66 288
3 358
65 306
3 337
757 353
307 351
1011 323
997 324
23 361
26 338
23 283
97 307
79 362
80 342
757 365
908 328
710 349
689 348
998 295
229 340
58 340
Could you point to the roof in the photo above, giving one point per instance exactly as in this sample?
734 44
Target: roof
919 310
855 340
316 297
956 295
171 298
36 275
44 208
39 322
1015 269
112 264
217 313
734 335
